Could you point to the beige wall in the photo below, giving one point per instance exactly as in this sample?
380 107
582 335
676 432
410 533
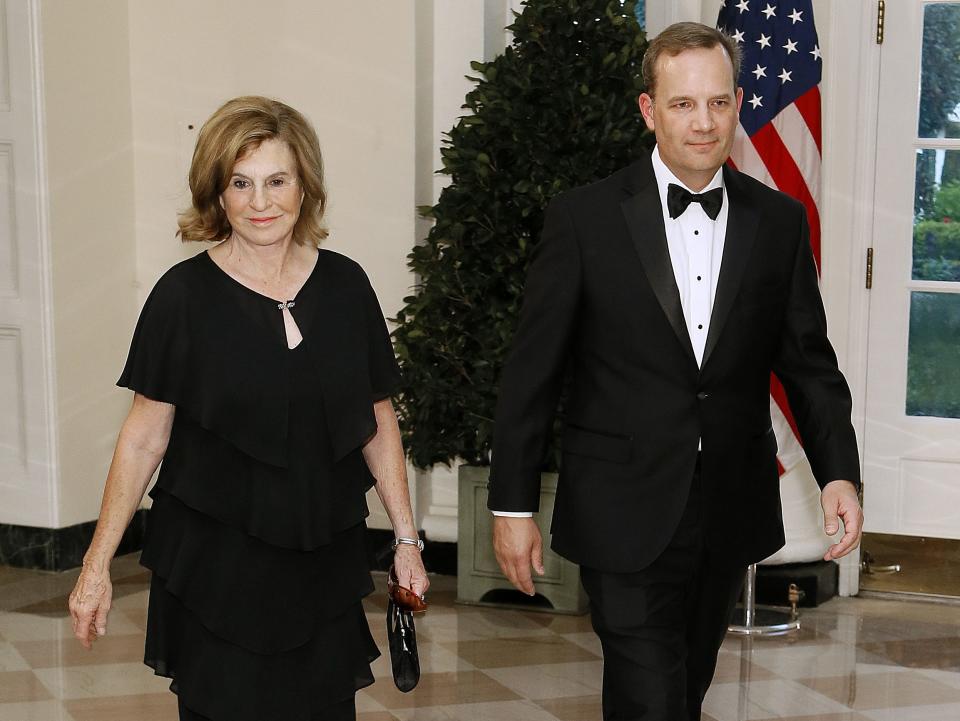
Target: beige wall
91 213
351 72
124 81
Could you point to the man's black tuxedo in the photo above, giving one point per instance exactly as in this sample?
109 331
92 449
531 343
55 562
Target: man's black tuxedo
601 301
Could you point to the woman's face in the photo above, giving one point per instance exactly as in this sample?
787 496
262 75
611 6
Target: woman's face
262 199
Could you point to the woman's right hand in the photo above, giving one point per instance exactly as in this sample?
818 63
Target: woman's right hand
90 604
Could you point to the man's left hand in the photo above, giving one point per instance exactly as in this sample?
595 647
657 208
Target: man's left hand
840 503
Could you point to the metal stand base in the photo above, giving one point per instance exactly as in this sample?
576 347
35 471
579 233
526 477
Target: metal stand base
751 621
766 622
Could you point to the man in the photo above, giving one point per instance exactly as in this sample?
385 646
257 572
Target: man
669 291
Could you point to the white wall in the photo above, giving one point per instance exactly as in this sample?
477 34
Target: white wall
91 211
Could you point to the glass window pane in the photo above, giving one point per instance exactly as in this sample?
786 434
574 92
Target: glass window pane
940 72
936 216
933 358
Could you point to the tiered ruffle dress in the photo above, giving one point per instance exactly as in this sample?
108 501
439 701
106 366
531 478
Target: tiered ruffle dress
256 534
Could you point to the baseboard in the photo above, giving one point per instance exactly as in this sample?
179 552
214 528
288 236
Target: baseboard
59 549
910 596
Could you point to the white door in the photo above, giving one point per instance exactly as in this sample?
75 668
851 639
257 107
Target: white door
912 436
26 444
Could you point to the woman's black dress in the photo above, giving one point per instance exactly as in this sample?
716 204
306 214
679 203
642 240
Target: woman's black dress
256 534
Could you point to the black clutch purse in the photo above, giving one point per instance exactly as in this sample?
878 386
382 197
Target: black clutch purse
402 603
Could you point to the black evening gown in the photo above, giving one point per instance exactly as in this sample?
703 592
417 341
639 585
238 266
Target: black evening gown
256 533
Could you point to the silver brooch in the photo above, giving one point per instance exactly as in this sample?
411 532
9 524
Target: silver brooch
286 304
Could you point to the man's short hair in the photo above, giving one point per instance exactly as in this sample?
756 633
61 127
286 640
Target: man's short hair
687 36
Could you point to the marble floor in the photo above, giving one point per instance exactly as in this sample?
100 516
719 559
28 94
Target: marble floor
853 660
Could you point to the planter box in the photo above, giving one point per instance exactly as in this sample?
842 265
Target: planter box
479 580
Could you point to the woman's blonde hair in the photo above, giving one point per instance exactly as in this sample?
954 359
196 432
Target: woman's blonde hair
238 128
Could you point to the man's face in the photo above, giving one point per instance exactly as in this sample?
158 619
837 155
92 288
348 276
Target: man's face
695 114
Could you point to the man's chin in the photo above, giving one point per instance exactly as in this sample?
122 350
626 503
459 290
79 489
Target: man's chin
703 163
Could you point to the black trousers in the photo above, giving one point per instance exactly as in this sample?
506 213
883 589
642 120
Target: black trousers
661 627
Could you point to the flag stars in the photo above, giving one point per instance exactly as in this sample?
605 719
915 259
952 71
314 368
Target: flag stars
738 36
743 6
764 41
790 47
760 72
816 52
785 76
796 16
770 11
756 101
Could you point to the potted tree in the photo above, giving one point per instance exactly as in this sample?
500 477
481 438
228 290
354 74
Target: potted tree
556 110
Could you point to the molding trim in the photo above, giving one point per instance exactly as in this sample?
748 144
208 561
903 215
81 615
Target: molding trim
60 549
859 51
46 266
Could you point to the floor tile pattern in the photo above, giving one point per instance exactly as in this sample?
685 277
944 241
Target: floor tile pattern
853 660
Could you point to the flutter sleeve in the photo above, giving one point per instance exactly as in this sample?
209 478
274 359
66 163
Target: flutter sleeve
381 362
157 362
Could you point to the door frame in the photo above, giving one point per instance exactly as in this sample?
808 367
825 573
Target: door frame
853 81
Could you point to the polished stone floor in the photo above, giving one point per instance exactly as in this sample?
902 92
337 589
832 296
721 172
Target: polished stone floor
854 660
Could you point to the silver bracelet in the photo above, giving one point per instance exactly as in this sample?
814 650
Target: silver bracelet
408 542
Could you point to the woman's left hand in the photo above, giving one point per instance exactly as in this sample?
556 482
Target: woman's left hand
409 568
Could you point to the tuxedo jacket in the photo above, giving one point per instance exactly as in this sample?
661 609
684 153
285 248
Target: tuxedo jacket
601 304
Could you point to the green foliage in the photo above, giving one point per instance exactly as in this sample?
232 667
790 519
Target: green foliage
936 250
946 202
940 73
933 384
932 239
556 110
939 96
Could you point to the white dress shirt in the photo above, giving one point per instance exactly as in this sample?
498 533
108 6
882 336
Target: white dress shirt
696 248
695 244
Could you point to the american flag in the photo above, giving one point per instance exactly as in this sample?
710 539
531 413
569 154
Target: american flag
778 140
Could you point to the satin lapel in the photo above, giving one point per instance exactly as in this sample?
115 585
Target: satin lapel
645 221
742 222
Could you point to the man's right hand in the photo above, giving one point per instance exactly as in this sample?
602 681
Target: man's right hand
518 545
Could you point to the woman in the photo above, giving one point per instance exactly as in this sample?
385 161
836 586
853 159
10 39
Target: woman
262 373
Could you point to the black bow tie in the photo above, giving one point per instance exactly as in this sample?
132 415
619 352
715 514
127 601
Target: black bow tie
679 198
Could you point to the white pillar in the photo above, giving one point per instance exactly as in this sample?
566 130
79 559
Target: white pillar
450 34
661 13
